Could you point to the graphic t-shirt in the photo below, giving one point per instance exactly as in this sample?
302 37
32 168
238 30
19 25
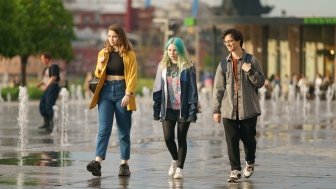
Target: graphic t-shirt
174 87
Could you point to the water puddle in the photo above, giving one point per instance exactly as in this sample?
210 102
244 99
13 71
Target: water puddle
46 158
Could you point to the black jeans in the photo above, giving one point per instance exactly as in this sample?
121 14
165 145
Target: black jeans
236 130
48 100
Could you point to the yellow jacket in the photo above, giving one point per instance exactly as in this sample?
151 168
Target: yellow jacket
130 73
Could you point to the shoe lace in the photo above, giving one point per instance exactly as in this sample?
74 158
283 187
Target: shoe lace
249 167
235 173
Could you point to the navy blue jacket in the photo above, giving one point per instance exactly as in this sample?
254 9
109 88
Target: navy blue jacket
189 94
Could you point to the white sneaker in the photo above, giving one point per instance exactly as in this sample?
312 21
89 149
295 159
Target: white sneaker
178 173
248 170
234 176
172 168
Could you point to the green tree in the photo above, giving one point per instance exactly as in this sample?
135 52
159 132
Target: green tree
39 25
8 32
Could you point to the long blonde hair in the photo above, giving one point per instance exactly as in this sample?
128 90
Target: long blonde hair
183 60
124 44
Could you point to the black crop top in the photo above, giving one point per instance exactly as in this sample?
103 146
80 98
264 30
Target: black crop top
115 65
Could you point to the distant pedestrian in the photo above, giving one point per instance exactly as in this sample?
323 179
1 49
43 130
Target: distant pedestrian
115 95
318 81
50 87
175 101
235 100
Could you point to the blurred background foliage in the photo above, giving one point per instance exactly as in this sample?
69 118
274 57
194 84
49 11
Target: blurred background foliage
34 93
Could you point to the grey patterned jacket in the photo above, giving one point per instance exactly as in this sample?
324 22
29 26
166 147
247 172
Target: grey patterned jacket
224 100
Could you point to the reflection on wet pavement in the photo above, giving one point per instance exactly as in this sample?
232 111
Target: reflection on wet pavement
287 139
95 182
45 158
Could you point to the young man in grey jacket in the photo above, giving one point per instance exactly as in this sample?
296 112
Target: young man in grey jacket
235 101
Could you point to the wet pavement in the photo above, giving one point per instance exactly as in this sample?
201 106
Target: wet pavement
295 149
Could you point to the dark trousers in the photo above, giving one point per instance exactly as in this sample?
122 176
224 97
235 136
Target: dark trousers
179 152
236 130
48 100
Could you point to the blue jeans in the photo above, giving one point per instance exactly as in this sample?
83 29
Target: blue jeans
109 105
48 100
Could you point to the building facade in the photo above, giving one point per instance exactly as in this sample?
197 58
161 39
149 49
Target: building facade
286 46
91 20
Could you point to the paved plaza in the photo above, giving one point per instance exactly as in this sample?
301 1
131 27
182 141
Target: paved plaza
295 149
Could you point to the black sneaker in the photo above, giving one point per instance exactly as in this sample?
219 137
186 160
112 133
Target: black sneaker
94 167
44 126
50 128
124 170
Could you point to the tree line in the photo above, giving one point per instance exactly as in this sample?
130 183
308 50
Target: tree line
29 27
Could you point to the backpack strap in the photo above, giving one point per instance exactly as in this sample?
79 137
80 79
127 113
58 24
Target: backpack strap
223 62
248 58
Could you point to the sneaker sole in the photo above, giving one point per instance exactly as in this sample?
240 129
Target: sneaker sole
171 174
233 180
248 176
124 175
93 170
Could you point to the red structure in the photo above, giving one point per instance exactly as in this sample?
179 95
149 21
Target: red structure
128 16
90 28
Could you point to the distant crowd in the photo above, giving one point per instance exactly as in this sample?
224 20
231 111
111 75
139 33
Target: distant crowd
318 87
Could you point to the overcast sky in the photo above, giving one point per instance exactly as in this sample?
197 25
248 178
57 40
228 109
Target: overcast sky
298 8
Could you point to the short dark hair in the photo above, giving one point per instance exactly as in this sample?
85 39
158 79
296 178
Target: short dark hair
46 55
236 35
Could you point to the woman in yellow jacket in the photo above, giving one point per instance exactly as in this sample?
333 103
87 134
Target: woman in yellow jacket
115 95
